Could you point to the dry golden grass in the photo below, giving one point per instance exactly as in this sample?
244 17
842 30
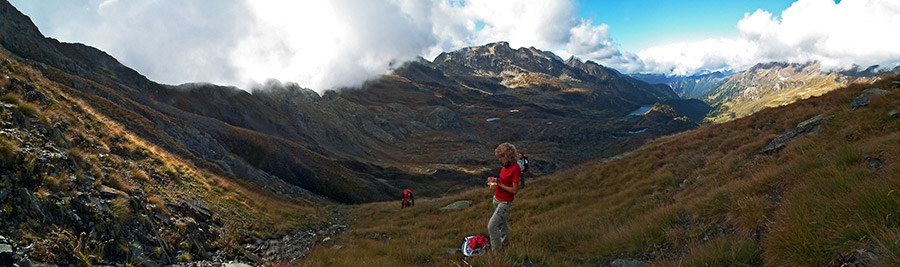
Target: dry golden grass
103 144
706 197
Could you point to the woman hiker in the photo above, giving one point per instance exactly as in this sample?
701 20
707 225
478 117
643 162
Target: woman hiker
506 187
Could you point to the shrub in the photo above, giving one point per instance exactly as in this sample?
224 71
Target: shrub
11 99
184 256
115 180
120 208
28 109
160 204
7 152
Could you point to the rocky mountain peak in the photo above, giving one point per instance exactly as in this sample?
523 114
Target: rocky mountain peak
496 58
775 65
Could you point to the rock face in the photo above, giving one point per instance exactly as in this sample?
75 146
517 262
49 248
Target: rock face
867 96
804 128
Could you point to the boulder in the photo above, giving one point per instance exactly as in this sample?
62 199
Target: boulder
804 128
199 208
98 204
6 255
867 96
442 118
893 113
108 192
462 204
872 163
254 258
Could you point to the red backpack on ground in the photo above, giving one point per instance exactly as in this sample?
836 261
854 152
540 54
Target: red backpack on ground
475 245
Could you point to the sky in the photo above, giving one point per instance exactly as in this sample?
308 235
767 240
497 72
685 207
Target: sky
341 43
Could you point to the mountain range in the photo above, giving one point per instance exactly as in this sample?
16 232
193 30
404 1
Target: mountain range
764 85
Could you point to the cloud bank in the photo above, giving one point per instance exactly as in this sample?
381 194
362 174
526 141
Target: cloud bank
862 32
341 43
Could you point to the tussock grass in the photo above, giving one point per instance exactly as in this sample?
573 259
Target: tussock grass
705 197
115 154
11 98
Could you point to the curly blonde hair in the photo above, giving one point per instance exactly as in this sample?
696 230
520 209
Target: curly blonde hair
507 154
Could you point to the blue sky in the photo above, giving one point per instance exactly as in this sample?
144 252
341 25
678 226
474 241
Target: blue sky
341 43
637 25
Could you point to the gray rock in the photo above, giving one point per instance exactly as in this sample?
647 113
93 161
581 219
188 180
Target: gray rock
627 263
254 258
6 255
867 96
892 113
872 163
442 118
108 192
462 204
198 207
99 205
336 247
804 128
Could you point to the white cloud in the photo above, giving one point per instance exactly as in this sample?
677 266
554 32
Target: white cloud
329 44
318 44
341 43
860 32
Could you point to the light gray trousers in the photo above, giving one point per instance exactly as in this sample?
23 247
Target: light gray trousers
497 226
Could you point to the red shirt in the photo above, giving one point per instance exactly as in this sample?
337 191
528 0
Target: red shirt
508 176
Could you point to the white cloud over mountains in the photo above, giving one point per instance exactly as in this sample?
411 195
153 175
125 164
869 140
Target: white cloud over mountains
341 43
863 32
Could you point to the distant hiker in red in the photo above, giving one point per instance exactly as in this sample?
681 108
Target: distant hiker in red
408 199
506 187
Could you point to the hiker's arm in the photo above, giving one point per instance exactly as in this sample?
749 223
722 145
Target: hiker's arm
512 189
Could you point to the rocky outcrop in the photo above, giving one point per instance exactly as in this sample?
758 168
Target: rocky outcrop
442 118
867 96
297 244
804 128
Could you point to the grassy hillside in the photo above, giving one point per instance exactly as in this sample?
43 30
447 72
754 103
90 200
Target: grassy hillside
706 197
78 188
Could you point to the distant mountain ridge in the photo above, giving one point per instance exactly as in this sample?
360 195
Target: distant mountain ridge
687 87
773 84
763 85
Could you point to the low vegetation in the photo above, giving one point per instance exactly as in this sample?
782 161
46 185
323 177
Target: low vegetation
707 197
59 149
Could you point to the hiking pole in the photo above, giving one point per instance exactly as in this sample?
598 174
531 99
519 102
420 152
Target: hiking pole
467 263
